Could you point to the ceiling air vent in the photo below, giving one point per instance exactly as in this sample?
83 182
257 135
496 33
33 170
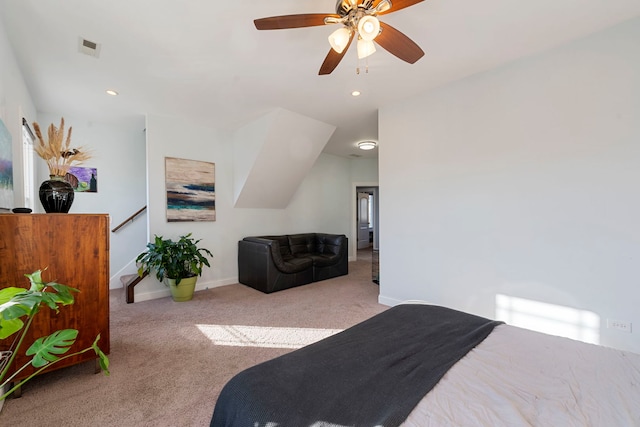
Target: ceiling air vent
88 47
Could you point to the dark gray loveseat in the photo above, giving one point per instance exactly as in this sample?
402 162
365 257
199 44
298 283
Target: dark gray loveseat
274 263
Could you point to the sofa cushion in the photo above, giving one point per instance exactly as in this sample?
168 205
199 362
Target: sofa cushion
283 242
324 260
329 244
291 264
302 244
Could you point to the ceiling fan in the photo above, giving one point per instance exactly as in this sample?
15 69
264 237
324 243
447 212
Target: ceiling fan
359 19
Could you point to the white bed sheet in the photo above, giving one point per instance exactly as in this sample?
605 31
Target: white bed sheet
518 377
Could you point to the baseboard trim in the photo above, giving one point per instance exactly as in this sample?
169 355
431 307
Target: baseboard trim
392 302
200 287
130 268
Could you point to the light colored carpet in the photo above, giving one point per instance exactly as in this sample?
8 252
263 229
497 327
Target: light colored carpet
169 360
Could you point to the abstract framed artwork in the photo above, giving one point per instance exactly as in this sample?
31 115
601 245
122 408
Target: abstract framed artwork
83 180
190 186
6 168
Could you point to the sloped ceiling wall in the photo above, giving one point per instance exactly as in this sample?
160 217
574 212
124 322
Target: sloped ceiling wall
272 155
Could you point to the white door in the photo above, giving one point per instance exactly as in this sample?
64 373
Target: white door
363 220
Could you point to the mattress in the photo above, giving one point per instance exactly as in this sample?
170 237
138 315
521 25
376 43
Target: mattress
518 377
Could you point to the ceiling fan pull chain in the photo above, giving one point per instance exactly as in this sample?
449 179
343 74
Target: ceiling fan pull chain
366 66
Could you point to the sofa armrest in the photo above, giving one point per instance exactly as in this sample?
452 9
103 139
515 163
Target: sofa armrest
332 259
262 267
261 241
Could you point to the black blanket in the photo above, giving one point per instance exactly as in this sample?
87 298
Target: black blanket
372 374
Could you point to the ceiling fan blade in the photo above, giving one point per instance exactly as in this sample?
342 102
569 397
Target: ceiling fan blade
292 21
333 59
397 5
398 44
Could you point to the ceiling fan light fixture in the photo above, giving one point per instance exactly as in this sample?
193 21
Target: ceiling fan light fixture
367 145
339 39
383 6
365 48
368 27
360 18
333 20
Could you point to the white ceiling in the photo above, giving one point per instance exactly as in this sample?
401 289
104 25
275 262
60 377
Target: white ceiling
205 59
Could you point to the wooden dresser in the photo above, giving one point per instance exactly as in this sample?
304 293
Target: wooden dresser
74 249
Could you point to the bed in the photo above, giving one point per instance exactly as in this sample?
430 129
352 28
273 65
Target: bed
426 365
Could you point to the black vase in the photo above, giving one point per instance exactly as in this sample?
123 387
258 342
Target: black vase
56 195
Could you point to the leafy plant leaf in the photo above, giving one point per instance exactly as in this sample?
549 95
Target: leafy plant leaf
10 327
36 280
7 293
11 310
104 360
11 306
64 292
22 304
45 349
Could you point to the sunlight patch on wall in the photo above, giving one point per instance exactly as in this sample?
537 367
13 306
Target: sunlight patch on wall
551 319
264 336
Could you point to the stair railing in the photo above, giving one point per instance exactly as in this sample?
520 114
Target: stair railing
130 219
129 286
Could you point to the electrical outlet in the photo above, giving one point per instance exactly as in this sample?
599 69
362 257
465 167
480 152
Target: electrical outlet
621 325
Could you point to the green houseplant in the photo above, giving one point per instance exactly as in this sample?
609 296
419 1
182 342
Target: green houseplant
18 307
175 263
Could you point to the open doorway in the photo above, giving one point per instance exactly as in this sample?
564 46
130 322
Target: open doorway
366 221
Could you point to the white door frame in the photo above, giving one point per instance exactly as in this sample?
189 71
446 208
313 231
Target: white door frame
353 241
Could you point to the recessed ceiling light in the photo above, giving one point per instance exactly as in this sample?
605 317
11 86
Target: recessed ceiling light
355 93
111 92
367 145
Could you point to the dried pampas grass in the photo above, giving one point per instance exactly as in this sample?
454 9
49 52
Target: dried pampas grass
57 151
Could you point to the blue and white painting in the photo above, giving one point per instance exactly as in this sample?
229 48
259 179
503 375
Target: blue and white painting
191 189
6 168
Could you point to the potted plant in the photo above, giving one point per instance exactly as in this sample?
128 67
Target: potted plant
18 306
176 263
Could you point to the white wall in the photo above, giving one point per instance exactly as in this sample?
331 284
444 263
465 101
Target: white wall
288 147
321 204
15 103
520 181
364 170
